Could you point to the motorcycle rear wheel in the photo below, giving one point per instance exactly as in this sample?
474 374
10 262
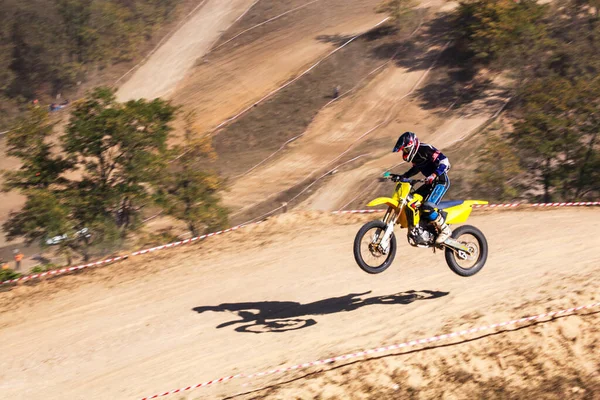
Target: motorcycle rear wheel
370 250
476 241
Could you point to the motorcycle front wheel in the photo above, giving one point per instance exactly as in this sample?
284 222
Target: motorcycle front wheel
367 250
464 264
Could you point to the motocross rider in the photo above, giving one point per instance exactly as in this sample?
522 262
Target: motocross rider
429 161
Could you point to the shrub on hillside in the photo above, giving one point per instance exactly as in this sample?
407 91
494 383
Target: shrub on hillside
8 274
49 45
489 29
44 268
123 163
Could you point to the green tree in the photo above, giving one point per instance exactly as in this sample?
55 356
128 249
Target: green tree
46 46
395 8
497 29
552 51
189 192
540 132
6 52
497 169
76 16
40 168
121 149
44 217
580 171
557 131
115 153
39 179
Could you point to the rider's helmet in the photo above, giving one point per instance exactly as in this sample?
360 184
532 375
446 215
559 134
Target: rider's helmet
408 144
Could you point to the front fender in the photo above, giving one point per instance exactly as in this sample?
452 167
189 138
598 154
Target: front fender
384 200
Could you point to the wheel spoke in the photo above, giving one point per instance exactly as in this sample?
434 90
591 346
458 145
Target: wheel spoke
370 250
464 260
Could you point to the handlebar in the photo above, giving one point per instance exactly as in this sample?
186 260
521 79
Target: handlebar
397 178
413 181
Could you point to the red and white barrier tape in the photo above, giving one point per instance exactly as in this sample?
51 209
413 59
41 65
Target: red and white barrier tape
64 270
564 204
363 353
194 239
506 205
582 203
119 258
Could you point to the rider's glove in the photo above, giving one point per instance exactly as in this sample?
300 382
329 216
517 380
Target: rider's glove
397 178
430 178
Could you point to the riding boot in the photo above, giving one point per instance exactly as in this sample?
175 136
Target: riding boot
443 229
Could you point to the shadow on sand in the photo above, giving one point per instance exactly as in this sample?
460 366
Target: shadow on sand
282 316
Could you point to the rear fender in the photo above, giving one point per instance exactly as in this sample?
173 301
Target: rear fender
460 213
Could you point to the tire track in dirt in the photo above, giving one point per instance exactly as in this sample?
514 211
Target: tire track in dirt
248 194
175 318
169 63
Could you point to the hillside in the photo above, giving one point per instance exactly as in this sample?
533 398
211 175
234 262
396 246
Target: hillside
53 51
277 295
158 76
388 96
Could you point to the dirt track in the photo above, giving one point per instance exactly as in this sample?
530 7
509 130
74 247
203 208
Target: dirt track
246 69
169 64
288 290
181 318
363 124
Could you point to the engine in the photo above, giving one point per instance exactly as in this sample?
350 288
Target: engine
421 236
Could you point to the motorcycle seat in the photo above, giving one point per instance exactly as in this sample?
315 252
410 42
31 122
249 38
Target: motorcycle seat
447 204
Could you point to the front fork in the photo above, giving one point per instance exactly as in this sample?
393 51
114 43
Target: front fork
389 219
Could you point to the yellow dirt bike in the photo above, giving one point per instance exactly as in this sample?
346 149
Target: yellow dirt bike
375 243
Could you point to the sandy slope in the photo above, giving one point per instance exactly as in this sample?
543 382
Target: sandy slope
343 187
165 68
243 71
346 125
329 135
339 132
182 317
270 55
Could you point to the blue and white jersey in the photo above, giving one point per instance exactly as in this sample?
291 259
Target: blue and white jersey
427 161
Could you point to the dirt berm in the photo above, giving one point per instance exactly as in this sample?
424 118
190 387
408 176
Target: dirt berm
288 291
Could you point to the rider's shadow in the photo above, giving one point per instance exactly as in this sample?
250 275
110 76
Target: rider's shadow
282 316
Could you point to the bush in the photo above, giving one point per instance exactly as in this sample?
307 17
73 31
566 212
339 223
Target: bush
43 268
8 274
489 30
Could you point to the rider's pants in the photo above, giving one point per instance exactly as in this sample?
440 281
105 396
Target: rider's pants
432 195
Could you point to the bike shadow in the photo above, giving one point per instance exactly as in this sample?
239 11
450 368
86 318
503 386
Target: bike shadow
283 316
